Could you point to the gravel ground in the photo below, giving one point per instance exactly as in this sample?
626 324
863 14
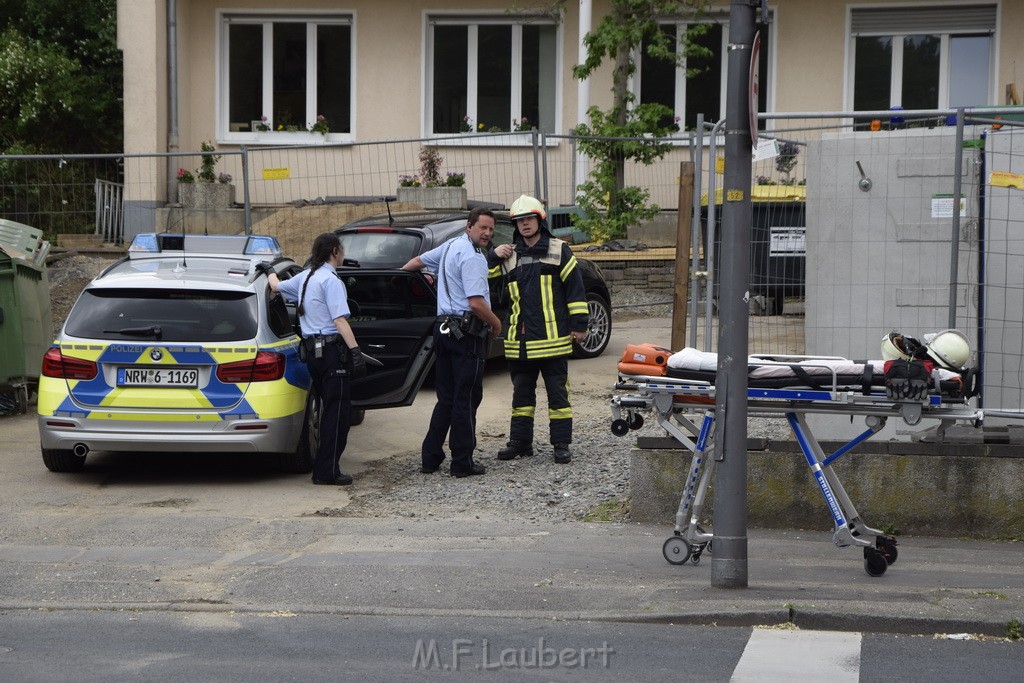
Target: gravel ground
594 487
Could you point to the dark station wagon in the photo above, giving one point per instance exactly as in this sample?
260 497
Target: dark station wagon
390 240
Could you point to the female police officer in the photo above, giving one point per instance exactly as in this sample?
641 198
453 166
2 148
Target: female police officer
331 350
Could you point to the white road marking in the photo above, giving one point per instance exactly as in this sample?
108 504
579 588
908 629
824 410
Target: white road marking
773 655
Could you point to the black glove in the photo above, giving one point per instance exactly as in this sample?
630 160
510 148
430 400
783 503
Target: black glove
357 364
264 268
907 379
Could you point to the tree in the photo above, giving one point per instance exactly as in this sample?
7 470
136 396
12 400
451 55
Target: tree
60 77
627 131
60 93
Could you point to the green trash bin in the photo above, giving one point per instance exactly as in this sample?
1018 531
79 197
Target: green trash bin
26 325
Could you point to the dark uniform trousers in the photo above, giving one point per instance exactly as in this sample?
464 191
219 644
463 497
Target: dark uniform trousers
524 398
331 383
459 370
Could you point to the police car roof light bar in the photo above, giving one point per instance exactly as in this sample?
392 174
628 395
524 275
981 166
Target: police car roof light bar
148 243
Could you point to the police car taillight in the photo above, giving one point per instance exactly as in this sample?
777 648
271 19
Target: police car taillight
265 367
56 364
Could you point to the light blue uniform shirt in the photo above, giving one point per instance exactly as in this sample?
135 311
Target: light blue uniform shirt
326 299
461 274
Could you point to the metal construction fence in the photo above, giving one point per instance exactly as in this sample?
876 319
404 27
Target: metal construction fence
856 225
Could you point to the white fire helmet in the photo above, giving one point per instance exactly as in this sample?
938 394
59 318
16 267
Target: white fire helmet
527 206
949 348
894 348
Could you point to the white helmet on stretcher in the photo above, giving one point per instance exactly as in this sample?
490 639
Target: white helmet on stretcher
949 348
896 346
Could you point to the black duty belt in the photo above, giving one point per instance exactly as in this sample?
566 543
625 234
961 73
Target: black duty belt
463 324
325 338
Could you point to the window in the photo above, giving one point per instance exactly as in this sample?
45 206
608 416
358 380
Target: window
280 74
661 81
174 315
491 74
922 58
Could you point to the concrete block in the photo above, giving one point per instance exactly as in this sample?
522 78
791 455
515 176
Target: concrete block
960 490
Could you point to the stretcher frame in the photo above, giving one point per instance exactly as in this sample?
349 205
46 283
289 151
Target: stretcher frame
673 400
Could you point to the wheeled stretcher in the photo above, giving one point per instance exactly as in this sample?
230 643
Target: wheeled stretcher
679 389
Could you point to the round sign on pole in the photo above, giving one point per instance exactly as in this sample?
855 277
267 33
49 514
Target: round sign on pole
755 74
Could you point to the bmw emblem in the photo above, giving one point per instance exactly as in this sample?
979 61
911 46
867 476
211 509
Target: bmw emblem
156 354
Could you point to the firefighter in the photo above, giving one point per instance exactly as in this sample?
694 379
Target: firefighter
548 313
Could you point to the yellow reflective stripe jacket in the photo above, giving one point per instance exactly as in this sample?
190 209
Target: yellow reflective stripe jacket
546 298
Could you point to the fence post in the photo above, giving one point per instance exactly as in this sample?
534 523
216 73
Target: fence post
697 154
954 245
683 244
544 167
536 165
245 190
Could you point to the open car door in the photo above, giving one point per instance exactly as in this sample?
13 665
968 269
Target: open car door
393 314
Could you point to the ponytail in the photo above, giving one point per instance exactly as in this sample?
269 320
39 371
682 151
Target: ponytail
323 246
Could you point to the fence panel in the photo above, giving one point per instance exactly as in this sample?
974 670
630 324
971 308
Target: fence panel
854 230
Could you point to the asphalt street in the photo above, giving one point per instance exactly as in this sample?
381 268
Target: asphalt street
224 542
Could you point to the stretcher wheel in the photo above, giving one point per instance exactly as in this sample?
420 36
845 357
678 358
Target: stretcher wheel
887 546
620 427
636 422
874 562
676 550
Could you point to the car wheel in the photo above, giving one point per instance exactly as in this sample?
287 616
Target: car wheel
600 329
358 415
300 461
59 460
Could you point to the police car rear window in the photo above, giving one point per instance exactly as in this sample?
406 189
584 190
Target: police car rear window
164 315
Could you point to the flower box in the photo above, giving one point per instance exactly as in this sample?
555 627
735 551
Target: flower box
441 197
206 195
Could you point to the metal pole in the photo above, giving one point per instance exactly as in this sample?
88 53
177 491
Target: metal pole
954 243
729 563
698 156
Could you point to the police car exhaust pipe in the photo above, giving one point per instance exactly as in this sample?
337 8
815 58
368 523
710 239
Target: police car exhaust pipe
81 450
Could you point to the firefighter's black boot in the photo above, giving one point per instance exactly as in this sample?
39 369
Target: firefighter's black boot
515 448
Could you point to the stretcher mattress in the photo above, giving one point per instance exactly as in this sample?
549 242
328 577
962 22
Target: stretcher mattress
767 371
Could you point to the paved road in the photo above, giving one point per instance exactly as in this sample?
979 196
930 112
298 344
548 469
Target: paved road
221 551
283 646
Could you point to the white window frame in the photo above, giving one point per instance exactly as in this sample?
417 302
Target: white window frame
472 21
312 19
721 18
896 77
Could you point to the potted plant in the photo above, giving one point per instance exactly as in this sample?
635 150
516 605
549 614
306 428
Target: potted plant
429 189
206 189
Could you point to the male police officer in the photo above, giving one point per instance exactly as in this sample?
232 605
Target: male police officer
549 312
460 343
